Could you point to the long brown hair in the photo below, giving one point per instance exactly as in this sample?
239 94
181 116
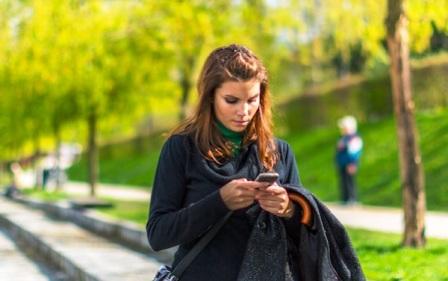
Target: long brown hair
231 63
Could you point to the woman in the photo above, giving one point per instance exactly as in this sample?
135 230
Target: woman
207 168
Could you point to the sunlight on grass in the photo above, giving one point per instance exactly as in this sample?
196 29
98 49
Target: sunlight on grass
134 163
383 259
378 178
48 196
135 211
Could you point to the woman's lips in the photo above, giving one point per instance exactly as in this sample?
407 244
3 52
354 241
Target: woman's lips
241 123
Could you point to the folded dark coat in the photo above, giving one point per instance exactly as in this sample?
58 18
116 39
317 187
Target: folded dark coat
320 253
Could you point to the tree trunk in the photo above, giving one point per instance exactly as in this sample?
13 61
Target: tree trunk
36 160
185 85
92 152
2 170
411 170
315 71
57 154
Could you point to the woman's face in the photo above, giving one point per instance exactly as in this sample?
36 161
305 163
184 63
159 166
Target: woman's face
235 103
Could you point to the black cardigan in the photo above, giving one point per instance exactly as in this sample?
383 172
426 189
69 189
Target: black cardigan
185 203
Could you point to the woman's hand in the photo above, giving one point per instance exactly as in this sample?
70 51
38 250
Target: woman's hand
240 193
274 199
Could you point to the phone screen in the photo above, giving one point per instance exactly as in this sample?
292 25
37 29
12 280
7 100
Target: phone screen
267 177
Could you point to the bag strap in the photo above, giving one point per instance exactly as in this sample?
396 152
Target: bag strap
200 245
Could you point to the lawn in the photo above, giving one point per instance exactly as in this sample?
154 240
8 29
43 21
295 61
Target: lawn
383 259
128 163
135 211
378 177
134 163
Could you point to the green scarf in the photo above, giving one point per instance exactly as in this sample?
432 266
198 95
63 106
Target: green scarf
234 137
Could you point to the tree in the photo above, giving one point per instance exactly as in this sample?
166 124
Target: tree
13 139
187 43
411 167
191 29
103 69
36 74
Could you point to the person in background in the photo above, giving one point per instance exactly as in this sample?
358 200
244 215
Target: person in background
48 168
17 172
348 152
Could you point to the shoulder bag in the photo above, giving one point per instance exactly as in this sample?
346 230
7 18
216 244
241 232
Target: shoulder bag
166 273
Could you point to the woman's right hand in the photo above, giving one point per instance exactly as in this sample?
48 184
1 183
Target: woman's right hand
240 193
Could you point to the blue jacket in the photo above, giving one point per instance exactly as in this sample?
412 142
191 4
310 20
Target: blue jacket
349 150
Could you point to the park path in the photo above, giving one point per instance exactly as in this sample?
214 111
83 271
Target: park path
388 219
19 266
80 253
122 192
358 216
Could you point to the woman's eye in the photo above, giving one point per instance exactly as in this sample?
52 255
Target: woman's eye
231 101
253 100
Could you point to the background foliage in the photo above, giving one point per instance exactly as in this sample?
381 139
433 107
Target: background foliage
130 66
133 64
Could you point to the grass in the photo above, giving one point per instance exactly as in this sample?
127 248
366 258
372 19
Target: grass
128 163
378 178
134 211
48 196
382 258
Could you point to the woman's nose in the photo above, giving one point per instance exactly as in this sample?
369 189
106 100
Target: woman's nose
243 110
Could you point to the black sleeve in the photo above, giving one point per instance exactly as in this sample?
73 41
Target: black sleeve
170 223
291 178
289 165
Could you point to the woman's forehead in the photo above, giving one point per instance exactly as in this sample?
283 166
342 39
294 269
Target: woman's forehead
240 88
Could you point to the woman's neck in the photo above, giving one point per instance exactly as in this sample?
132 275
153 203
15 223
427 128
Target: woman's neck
234 137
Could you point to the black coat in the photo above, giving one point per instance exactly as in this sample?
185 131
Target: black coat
185 203
322 252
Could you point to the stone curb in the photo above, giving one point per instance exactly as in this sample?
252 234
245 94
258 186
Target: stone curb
42 249
126 233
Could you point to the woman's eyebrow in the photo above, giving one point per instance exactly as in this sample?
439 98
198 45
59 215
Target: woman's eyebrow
237 97
254 96
230 96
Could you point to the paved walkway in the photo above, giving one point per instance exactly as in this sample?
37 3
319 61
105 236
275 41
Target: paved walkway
110 190
367 217
388 219
71 247
18 267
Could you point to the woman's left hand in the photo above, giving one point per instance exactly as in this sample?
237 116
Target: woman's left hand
274 199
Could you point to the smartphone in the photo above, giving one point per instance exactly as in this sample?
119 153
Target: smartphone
267 177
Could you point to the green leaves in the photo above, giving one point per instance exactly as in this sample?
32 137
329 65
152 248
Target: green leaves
133 60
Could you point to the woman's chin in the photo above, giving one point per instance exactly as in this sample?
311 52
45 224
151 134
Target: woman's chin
238 129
